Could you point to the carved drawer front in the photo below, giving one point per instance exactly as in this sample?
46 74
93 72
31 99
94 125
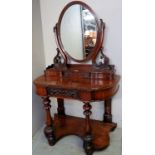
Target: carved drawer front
59 92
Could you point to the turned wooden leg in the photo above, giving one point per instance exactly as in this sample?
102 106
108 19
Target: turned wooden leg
61 108
49 130
107 113
88 136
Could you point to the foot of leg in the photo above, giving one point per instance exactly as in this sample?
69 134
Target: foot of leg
49 133
88 145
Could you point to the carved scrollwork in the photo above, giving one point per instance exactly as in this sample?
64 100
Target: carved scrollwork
57 60
62 92
104 58
58 57
60 50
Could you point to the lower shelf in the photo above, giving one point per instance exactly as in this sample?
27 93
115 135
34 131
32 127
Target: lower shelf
69 125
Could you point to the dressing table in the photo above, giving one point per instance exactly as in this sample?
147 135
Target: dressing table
81 71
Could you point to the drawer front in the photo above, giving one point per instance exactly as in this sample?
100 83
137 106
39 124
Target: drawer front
59 92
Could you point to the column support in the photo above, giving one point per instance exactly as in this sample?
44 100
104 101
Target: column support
107 113
61 108
88 135
49 129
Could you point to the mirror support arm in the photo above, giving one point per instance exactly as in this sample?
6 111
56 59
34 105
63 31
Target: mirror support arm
57 42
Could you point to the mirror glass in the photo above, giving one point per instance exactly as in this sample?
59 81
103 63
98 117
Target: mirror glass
78 31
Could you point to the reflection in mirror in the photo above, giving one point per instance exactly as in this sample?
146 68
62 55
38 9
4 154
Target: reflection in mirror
78 31
89 30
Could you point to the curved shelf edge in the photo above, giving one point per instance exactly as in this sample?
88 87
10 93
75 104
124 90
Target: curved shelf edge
70 125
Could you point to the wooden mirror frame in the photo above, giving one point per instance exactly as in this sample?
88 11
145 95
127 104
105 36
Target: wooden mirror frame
100 35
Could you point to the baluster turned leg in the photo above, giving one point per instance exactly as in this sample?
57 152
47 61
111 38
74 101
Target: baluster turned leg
107 113
88 136
49 131
61 108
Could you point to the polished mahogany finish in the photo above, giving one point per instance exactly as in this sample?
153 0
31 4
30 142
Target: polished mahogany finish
70 125
91 90
83 82
107 114
61 108
95 134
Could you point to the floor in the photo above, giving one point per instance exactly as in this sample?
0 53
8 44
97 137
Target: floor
72 145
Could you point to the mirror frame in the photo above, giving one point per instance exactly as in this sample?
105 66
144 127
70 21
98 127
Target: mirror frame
99 41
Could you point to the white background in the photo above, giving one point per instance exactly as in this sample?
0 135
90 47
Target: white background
38 66
138 77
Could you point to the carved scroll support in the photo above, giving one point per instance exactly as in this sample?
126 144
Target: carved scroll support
61 108
107 113
103 56
60 48
88 135
49 129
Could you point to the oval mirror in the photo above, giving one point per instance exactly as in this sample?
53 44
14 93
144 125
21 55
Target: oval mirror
78 31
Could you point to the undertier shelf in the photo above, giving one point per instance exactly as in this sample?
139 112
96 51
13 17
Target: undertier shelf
70 125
